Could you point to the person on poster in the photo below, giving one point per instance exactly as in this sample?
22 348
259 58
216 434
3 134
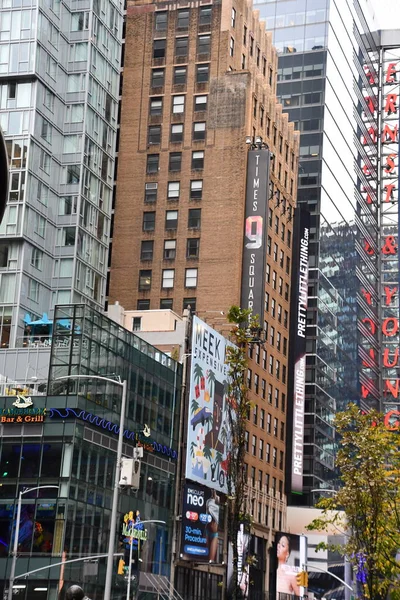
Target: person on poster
286 582
212 527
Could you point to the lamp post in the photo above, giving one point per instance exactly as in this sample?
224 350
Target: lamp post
128 589
114 506
16 534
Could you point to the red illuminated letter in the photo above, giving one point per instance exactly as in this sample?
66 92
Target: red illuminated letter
368 73
371 324
391 73
390 245
389 423
372 362
371 103
390 133
389 188
390 106
390 166
389 293
367 296
390 326
393 389
368 249
386 358
364 391
372 133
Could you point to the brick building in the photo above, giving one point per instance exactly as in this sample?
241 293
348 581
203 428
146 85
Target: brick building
198 78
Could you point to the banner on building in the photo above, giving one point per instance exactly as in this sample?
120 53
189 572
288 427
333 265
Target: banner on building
290 555
243 575
200 521
254 252
298 326
208 434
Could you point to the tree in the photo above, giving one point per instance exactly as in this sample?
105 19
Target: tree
238 408
367 505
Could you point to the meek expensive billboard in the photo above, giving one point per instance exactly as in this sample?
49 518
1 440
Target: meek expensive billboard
208 435
253 266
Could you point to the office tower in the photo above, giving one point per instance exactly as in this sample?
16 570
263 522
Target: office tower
323 50
197 81
59 88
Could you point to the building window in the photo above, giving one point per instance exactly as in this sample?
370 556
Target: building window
36 258
199 131
69 236
278 341
177 133
149 221
194 218
157 77
154 135
156 105
269 394
146 250
173 190
268 453
233 18
45 162
197 160
181 46
262 418
144 279
150 192
143 305
175 161
193 248
266 302
33 290
205 14
277 369
246 440
159 47
169 249
289 238
231 47
264 66
200 103
271 365
253 445
182 21
191 278
178 104
261 449
285 318
171 219
180 76
274 456
136 323
204 44
161 21
251 45
166 303
276 398
263 387
244 35
243 65
282 431
256 383
202 73
189 303
284 346
196 189
258 57
152 163
268 274
168 278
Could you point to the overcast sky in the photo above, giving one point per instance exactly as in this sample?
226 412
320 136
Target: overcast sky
387 13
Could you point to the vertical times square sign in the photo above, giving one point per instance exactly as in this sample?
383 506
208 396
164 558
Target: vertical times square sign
378 212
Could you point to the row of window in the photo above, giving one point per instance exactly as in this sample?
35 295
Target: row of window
176 133
178 104
169 253
168 279
171 219
262 450
181 49
167 303
270 369
276 312
282 287
273 251
174 162
264 481
265 420
182 19
180 75
173 191
274 368
279 227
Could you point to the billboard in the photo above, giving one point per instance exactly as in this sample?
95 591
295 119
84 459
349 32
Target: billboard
243 575
200 520
208 435
254 252
298 325
291 552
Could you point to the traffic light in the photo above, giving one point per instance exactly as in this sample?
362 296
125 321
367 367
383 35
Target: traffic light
302 578
121 567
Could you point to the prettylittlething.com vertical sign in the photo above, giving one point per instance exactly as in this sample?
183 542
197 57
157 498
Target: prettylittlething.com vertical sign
298 341
258 165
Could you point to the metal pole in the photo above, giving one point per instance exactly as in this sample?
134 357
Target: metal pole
128 589
15 548
159 569
114 508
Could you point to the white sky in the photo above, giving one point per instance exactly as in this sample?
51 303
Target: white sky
387 18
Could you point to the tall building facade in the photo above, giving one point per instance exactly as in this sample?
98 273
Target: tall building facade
198 79
323 51
59 88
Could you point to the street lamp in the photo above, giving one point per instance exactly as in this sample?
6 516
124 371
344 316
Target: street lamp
114 506
128 589
16 534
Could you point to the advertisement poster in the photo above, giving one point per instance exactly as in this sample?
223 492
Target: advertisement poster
254 252
243 543
200 520
208 434
288 565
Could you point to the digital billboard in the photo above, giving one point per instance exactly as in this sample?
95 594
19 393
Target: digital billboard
200 522
208 435
254 254
290 556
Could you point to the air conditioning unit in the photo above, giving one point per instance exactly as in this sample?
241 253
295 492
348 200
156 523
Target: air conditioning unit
130 472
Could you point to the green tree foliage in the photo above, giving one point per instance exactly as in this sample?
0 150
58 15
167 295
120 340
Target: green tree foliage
367 506
239 406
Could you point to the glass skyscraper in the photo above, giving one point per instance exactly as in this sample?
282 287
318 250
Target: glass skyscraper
59 86
321 73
